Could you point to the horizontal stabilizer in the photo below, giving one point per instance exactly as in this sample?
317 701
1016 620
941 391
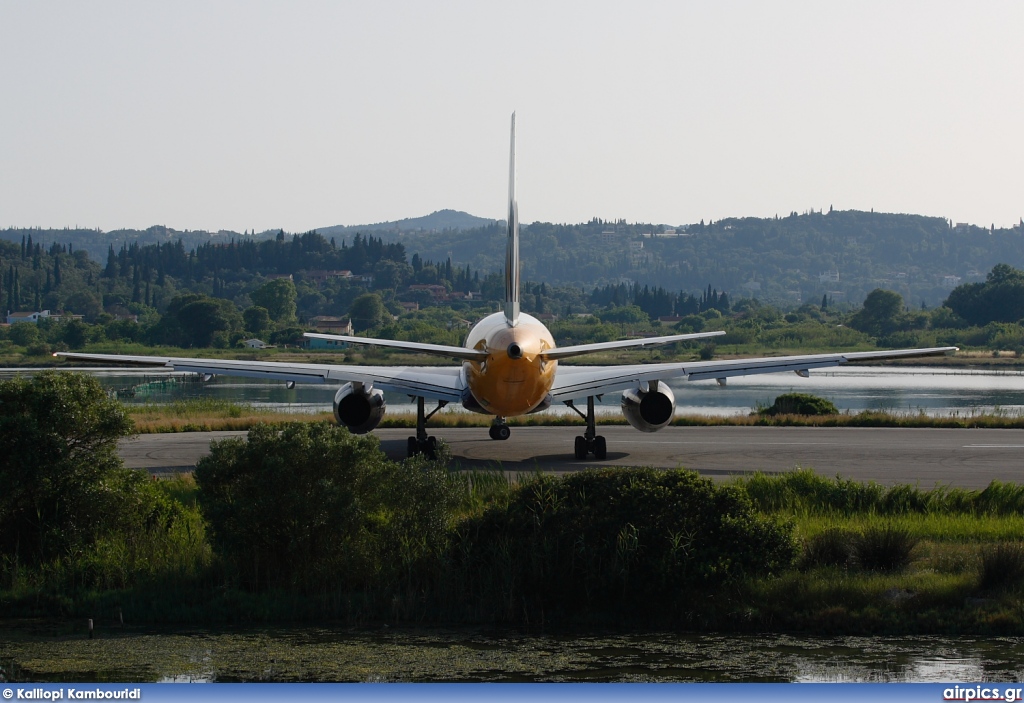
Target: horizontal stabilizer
433 349
580 349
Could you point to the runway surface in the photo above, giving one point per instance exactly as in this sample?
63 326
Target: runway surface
928 457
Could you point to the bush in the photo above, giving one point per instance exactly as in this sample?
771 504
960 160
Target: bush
311 507
833 547
887 548
614 540
800 404
1002 566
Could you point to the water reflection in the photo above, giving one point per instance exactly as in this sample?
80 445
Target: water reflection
419 655
934 391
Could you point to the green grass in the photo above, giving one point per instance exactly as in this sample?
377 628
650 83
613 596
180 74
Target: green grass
963 573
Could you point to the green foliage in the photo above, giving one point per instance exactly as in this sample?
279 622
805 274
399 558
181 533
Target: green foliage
277 297
24 333
885 548
311 507
880 312
58 441
832 547
1002 566
195 320
613 540
800 404
999 299
804 491
367 312
257 319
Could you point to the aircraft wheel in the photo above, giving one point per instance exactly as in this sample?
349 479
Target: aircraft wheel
430 448
600 448
412 447
502 432
491 431
581 448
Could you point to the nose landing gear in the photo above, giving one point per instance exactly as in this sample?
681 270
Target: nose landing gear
499 430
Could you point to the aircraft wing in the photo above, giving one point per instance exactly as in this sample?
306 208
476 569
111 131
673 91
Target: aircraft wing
580 349
441 383
581 381
422 348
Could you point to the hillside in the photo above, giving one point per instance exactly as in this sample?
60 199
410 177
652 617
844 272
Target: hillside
790 260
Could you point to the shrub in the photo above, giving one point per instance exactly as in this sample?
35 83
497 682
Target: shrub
603 541
1002 566
800 404
884 548
311 507
833 547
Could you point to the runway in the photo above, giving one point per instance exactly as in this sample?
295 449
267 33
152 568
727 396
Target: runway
926 457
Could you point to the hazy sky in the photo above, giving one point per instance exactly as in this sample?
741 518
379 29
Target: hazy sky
252 115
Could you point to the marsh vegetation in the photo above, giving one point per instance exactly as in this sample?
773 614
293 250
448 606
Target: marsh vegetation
305 521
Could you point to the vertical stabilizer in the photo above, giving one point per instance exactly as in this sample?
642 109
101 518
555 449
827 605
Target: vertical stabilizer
512 246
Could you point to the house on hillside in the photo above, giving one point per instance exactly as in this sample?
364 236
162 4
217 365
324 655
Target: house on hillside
332 325
13 317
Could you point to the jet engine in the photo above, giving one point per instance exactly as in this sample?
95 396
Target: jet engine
651 408
359 407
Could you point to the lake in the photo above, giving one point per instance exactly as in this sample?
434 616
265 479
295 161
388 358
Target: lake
34 651
933 391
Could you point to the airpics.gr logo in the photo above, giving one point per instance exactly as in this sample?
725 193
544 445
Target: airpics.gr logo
981 693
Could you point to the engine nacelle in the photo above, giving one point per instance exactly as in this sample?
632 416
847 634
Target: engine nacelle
651 409
358 407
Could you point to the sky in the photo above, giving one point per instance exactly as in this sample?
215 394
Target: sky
305 114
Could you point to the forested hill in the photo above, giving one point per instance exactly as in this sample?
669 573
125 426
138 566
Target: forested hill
97 242
434 222
792 259
798 258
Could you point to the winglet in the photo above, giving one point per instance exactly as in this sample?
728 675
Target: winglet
512 246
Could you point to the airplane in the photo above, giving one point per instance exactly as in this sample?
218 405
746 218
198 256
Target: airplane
509 367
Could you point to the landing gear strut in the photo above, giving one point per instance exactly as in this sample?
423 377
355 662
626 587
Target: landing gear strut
499 430
590 442
422 443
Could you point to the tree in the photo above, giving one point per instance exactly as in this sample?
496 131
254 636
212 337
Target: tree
58 446
368 311
257 319
75 334
278 297
195 320
391 274
999 299
880 312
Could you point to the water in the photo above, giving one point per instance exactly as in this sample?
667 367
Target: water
933 391
420 654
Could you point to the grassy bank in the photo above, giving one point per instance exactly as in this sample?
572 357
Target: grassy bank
865 559
205 415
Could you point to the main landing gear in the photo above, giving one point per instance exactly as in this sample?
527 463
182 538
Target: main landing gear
590 442
499 430
422 443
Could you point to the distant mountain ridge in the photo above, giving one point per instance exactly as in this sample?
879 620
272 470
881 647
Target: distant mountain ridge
434 222
97 241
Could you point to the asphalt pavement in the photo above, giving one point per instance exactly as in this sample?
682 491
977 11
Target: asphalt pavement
926 457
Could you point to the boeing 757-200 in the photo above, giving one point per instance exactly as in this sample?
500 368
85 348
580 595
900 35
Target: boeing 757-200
509 367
